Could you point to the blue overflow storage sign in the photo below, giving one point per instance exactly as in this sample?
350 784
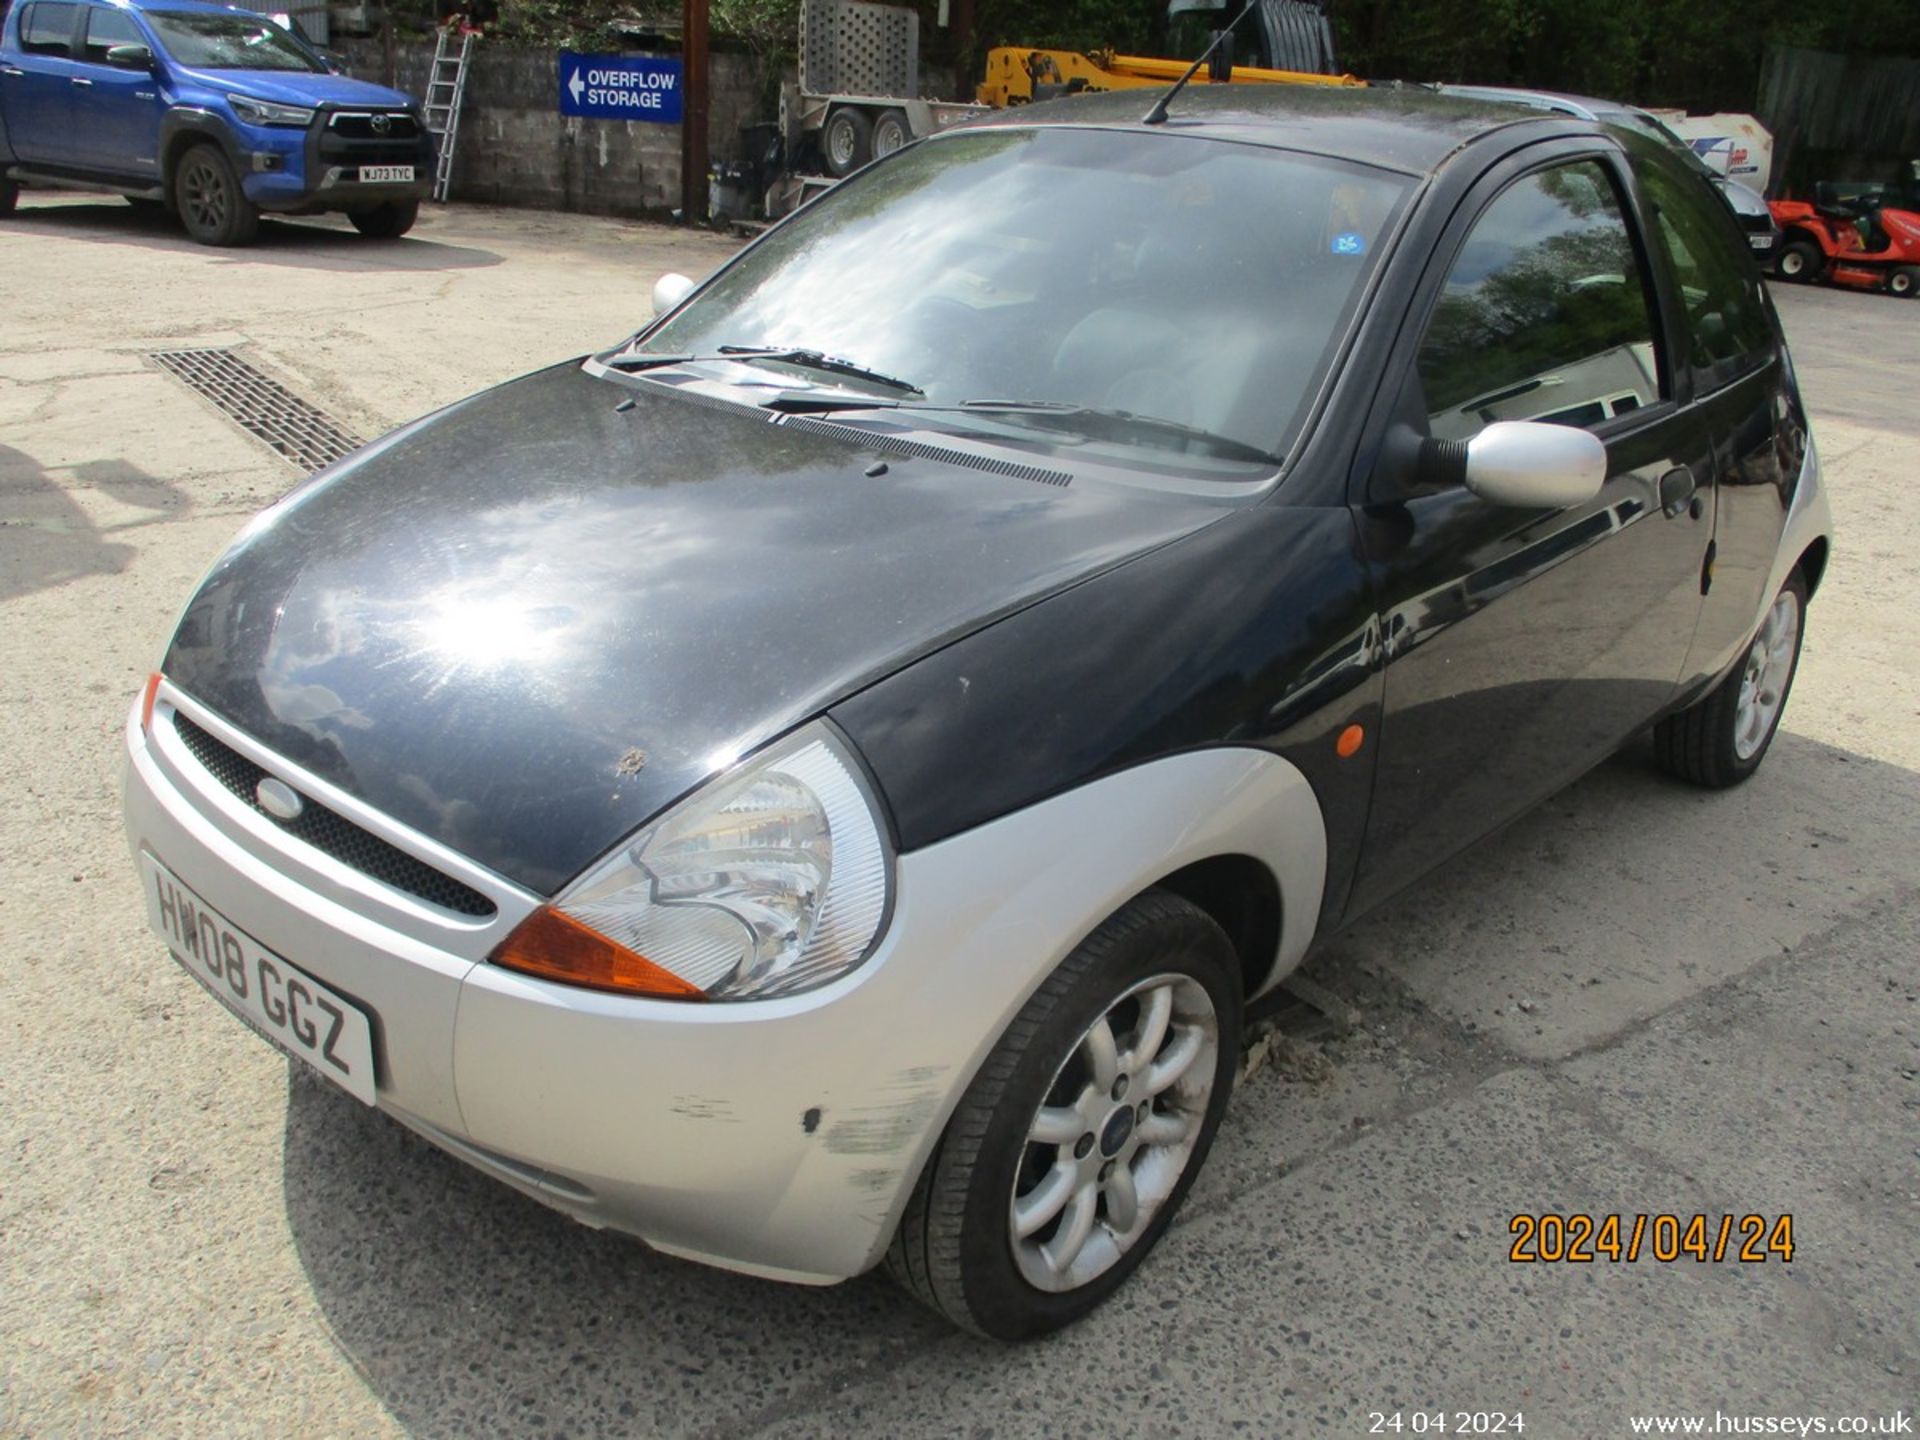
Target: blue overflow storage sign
620 87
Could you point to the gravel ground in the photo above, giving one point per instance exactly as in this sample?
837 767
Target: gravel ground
1639 999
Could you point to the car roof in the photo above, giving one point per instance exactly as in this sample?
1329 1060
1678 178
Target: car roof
194 7
1585 107
1392 126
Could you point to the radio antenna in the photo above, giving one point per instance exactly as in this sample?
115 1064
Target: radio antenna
1158 114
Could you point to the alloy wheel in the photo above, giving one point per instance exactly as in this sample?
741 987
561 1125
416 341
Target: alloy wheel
1763 681
1109 1142
204 197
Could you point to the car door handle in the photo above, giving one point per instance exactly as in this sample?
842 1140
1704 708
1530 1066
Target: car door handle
83 82
1676 491
11 70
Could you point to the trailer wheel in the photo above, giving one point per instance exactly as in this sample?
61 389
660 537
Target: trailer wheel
890 132
1905 282
846 141
1799 261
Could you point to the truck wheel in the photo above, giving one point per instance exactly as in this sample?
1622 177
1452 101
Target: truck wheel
890 132
1799 260
211 204
386 222
846 141
9 192
1905 282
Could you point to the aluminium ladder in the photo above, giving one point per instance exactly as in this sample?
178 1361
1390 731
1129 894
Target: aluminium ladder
446 88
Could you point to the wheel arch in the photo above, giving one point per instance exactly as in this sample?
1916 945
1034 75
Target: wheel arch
184 128
1242 895
995 910
1791 233
1812 564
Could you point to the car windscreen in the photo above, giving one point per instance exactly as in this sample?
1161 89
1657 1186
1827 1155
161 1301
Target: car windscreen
1197 283
230 42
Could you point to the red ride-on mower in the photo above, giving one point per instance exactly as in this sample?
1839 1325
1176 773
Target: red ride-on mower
1854 239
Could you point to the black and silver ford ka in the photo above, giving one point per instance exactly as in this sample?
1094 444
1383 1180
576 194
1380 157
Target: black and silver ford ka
818 783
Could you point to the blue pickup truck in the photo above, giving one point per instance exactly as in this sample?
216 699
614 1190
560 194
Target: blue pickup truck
217 113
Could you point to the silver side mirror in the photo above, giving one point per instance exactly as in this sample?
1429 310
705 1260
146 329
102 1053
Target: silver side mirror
669 290
1535 466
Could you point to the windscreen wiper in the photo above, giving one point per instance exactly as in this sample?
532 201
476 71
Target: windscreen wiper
1108 423
1112 422
781 354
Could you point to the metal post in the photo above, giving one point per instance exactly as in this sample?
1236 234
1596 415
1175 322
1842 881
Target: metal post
693 119
968 62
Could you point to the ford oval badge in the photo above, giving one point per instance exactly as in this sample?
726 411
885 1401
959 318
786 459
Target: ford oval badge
279 799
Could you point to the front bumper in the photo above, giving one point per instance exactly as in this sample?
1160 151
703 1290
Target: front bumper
301 171
1763 241
777 1137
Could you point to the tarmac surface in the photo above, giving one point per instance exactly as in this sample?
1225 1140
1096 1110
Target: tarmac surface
1641 999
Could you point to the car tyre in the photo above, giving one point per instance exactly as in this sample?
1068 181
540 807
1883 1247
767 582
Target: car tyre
1721 738
891 131
846 141
1161 980
208 198
1799 261
9 194
1905 282
386 222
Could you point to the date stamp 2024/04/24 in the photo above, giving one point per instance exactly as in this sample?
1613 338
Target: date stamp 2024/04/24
1583 1239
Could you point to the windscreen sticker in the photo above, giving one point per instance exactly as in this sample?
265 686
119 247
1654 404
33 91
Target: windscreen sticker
1350 242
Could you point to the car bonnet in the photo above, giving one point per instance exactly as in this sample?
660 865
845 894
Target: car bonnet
528 623
293 87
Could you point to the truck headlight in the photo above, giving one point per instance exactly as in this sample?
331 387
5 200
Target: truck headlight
771 879
267 112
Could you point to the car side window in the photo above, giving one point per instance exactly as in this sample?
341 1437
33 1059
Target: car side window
47 28
106 29
1727 329
1546 314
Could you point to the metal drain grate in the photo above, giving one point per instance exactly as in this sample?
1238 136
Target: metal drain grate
262 406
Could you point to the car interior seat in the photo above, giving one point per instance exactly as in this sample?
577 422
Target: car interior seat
1223 336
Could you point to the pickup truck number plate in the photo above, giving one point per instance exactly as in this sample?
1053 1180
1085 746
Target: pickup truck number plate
377 174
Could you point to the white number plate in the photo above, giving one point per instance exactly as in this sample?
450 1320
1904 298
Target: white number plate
288 1006
1760 242
375 174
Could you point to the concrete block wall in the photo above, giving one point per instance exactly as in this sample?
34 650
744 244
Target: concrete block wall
516 148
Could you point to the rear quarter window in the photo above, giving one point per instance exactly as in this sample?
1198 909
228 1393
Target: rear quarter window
1724 310
47 28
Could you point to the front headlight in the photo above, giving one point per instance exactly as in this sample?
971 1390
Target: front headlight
770 880
266 112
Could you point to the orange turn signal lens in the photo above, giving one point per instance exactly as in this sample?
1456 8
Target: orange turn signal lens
1350 741
146 701
555 946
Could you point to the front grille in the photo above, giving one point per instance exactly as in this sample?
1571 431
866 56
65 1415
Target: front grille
331 833
365 125
370 152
